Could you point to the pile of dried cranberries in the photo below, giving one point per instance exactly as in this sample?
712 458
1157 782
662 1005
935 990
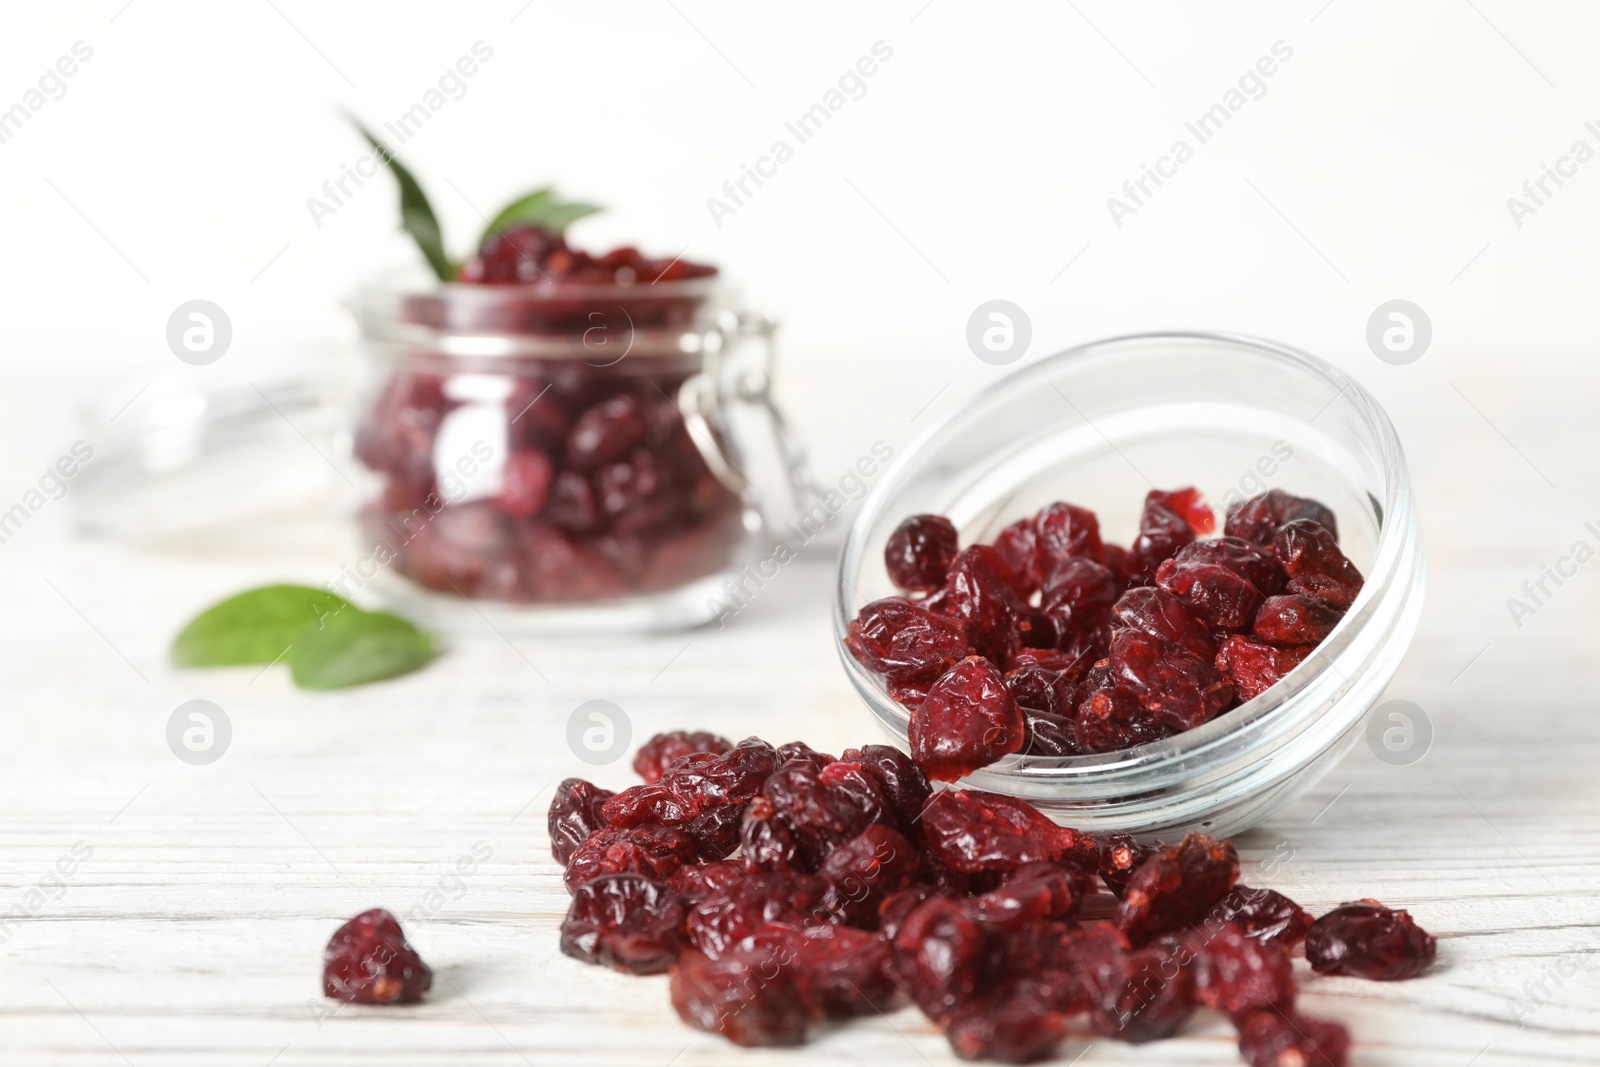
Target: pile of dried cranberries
1053 643
782 887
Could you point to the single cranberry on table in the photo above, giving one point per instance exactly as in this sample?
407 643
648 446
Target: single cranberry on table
1368 940
369 961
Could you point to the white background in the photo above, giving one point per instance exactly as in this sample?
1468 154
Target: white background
1377 165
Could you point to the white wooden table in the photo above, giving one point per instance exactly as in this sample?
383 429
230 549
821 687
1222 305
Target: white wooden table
192 932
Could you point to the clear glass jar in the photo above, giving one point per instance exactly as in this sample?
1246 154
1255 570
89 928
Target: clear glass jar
566 456
1099 426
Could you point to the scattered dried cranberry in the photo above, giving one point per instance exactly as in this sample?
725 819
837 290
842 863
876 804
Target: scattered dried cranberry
1279 1039
1013 1023
901 780
1368 940
736 906
920 551
844 972
941 957
905 643
1236 973
1264 914
971 905
1137 996
753 997
967 721
575 816
1120 856
1258 518
1078 595
652 850
866 870
1032 892
1253 668
1176 887
662 750
626 922
972 831
369 961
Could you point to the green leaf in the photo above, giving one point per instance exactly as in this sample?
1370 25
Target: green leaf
539 208
355 647
252 627
416 214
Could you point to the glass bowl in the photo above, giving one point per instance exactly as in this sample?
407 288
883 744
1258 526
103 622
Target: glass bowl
1101 425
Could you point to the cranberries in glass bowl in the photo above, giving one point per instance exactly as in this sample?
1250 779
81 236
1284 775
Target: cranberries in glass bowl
1098 427
573 451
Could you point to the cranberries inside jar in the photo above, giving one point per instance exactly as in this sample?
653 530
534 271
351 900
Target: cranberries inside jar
559 468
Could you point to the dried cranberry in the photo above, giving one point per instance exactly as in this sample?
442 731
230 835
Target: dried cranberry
1236 973
1170 520
967 721
1264 914
1160 614
1137 996
1258 518
525 484
606 433
1111 719
862 872
1310 554
723 917
1254 563
904 643
516 254
635 493
1368 940
902 782
1178 690
1278 1039
844 972
981 595
1013 1023
1032 892
1292 620
1017 546
731 777
398 437
823 809
799 750
1216 596
1047 700
1120 856
658 753
369 961
571 504
920 551
652 850
941 957
973 831
764 839
574 816
1253 668
1176 887
626 922
1066 530
1078 595
751 998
